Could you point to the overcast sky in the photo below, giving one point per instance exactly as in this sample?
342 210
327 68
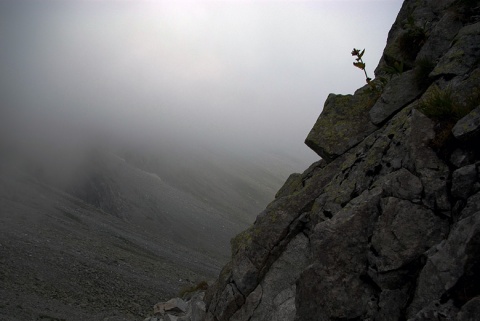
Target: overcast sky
252 74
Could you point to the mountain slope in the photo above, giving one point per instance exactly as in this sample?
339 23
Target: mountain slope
112 238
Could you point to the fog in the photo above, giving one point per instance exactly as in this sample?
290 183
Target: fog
231 76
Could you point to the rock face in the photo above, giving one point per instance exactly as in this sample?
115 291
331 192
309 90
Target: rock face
387 225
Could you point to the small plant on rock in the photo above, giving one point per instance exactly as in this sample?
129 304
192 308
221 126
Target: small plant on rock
359 62
377 85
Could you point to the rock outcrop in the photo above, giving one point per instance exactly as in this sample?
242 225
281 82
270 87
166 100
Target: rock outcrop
177 309
387 225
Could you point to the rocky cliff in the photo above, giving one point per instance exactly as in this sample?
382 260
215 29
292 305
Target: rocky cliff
387 225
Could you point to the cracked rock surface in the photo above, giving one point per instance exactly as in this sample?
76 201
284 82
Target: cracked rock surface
386 226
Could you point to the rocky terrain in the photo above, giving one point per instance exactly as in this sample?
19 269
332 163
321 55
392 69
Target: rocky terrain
387 225
118 234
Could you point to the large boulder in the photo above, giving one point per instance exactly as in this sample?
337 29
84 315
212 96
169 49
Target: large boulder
342 124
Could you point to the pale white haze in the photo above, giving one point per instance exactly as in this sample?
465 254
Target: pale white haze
220 75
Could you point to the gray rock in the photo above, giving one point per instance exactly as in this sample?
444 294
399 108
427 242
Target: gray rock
472 206
445 268
284 305
293 184
170 317
251 303
398 93
342 124
326 288
468 127
401 184
196 308
280 278
470 311
441 37
175 305
463 180
436 311
226 304
391 303
403 232
461 157
244 274
431 170
462 55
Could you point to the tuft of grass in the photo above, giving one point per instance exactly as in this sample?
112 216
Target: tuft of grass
445 109
442 105
188 290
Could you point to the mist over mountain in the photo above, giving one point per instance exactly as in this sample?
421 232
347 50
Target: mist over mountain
136 138
219 75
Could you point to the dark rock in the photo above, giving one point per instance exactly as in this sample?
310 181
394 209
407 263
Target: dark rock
391 303
470 311
431 170
293 184
462 55
441 37
175 305
472 206
244 274
342 124
463 180
398 93
401 184
468 127
403 232
326 288
251 303
226 304
448 267
436 311
279 280
461 157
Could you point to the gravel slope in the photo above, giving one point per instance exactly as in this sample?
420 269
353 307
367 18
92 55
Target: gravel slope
63 257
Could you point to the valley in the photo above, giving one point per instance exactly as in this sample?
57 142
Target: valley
120 235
